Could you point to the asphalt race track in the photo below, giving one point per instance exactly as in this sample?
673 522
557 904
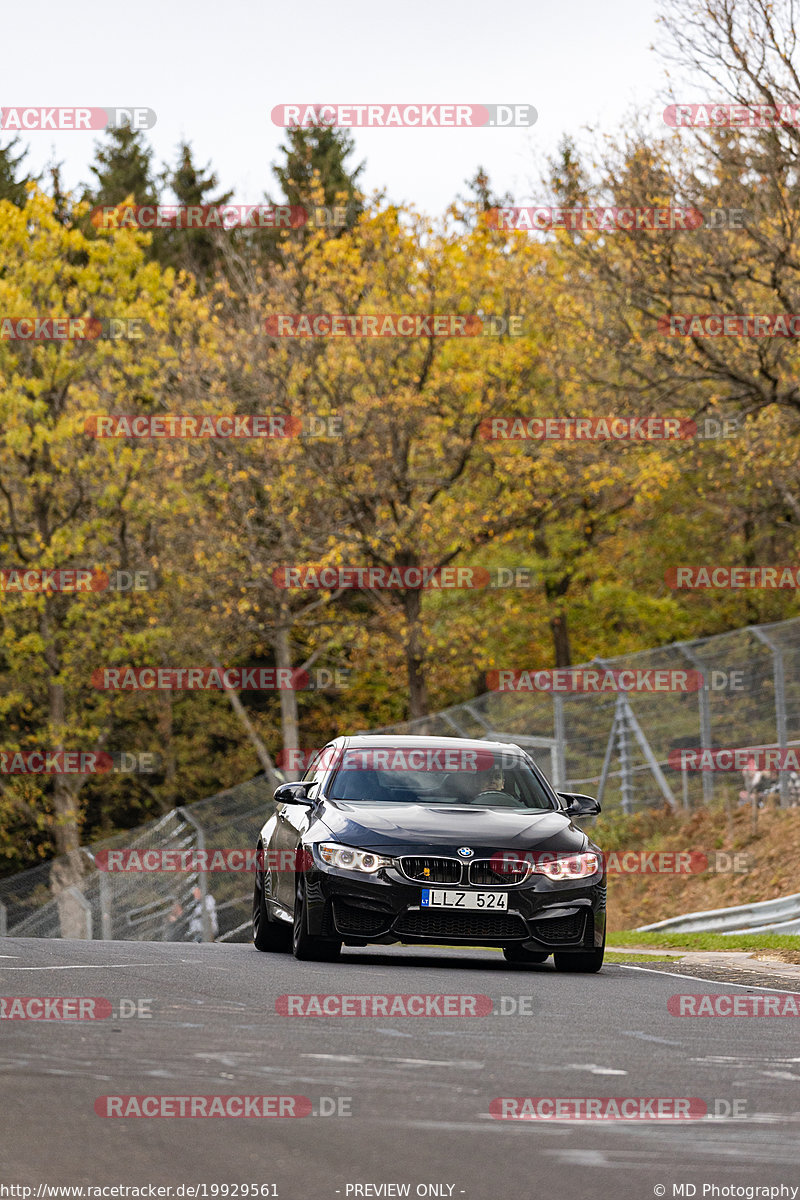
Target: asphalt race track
419 1088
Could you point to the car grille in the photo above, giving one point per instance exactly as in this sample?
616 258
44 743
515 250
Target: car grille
560 929
482 873
460 925
359 921
432 870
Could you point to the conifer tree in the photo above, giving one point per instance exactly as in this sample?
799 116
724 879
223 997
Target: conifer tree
122 168
12 184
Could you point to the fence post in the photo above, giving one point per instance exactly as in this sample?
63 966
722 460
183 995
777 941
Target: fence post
780 704
623 729
647 750
104 896
105 908
705 719
205 916
780 720
559 763
601 787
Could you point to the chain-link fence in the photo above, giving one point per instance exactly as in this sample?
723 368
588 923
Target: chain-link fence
614 743
70 897
618 743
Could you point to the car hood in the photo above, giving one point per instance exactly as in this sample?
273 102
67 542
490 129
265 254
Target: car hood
396 826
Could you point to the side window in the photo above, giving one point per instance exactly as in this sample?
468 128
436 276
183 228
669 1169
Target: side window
319 766
312 766
532 789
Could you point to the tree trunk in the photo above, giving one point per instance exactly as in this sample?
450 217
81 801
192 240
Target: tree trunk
555 591
164 727
561 646
415 657
290 724
67 870
66 877
250 729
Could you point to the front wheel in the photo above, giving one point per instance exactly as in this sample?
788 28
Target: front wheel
304 945
518 954
267 934
585 963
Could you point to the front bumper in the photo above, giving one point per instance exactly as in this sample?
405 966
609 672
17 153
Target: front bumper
542 914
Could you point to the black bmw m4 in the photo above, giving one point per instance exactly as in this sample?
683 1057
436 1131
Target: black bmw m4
430 840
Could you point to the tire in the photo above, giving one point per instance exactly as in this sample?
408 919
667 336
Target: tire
585 963
268 935
518 954
305 946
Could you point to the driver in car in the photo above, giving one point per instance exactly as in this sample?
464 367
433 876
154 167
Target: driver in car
474 785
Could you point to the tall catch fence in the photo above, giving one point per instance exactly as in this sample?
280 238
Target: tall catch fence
615 744
70 897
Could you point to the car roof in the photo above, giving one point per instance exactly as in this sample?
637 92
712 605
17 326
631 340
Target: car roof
364 740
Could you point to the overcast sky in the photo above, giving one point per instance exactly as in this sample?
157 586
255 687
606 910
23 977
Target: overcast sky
214 69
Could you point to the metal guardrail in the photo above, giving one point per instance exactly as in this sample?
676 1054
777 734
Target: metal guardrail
765 916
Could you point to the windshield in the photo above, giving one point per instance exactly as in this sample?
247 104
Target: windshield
417 775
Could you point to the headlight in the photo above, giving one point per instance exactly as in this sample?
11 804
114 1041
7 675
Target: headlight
571 866
349 859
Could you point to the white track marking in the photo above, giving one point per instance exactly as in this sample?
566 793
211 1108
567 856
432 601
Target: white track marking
88 967
594 1069
649 1037
697 979
465 1064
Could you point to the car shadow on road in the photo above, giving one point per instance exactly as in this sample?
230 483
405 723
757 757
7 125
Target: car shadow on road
455 961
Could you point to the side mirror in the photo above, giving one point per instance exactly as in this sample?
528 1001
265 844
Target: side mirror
292 793
578 806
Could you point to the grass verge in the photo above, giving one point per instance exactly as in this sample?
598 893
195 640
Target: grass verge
665 940
611 956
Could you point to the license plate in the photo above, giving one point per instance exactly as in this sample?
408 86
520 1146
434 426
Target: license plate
448 898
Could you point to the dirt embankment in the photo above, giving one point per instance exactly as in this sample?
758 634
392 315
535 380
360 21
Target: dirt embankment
769 856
